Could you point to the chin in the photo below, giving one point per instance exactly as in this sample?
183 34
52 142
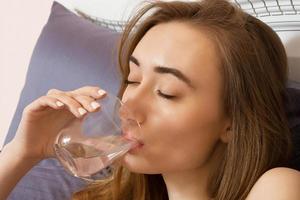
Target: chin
136 165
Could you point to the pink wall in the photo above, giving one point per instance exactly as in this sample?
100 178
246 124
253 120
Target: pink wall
20 25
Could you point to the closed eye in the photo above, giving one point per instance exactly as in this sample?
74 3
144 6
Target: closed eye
163 95
166 96
130 82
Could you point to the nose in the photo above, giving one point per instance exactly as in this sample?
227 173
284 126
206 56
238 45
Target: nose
131 113
131 120
134 107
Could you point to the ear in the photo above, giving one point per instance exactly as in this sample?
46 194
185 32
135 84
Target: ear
226 134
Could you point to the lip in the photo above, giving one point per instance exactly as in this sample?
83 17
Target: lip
131 138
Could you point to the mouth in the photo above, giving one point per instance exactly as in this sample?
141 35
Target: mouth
139 143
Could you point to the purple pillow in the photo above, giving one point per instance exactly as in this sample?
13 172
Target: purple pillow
71 52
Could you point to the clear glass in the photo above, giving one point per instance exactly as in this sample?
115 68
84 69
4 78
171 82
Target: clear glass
90 147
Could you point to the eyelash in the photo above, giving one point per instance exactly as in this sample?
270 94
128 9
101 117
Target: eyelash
166 96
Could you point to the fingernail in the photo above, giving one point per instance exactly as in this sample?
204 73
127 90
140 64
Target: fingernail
101 92
95 105
58 103
81 111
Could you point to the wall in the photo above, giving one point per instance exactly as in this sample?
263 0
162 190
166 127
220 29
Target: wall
21 23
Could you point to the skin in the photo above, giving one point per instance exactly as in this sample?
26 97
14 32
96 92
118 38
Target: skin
180 137
180 134
46 115
279 184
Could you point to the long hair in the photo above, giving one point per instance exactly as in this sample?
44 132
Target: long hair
254 70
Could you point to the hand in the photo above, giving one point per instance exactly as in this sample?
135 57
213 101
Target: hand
43 119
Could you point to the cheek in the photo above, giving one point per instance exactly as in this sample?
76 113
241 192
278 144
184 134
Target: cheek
190 142
176 140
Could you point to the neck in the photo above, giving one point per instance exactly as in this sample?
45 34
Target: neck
190 184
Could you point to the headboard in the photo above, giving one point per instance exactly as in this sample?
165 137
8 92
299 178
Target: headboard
282 15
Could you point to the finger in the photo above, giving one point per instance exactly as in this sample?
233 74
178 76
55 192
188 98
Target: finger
91 91
74 106
54 91
87 102
43 102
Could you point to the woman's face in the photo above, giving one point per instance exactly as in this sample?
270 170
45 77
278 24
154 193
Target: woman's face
175 94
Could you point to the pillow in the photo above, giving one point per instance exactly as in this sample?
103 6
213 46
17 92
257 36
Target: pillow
71 52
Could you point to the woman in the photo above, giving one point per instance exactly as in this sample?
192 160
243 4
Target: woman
205 81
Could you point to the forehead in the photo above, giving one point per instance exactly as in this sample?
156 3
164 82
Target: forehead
182 46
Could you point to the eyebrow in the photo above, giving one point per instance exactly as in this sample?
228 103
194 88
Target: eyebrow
167 70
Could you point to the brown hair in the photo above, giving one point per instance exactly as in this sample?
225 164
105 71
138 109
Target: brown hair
254 69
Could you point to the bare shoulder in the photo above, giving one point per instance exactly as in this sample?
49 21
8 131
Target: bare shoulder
277 184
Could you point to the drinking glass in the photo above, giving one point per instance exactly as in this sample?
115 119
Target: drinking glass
90 147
